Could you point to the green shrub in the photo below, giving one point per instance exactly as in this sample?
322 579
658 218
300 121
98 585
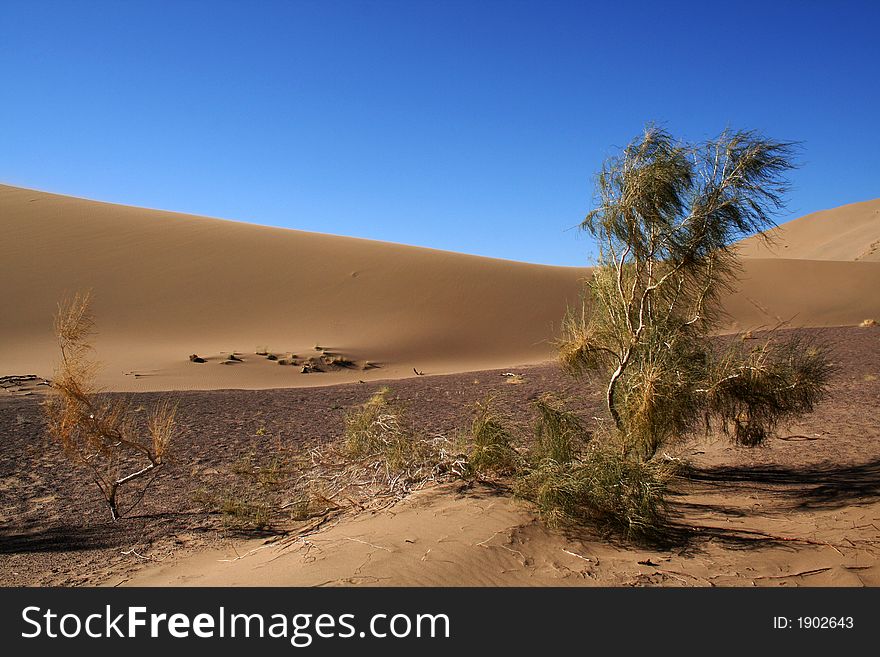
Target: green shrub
667 220
603 486
491 452
573 478
559 433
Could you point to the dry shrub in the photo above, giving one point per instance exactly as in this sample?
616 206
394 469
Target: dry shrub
340 361
381 460
381 443
379 428
98 433
265 493
244 514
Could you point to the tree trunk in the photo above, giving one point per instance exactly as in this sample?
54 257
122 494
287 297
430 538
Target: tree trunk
612 389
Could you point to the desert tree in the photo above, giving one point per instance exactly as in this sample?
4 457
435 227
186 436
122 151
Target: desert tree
666 218
99 433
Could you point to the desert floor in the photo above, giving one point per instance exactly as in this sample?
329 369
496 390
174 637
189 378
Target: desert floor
802 510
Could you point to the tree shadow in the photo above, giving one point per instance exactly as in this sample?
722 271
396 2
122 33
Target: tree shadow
809 488
62 538
793 489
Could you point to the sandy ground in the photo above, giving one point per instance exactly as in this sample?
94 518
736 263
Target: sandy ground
168 285
804 510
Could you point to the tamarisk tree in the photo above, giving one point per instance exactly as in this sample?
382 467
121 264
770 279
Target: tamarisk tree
100 433
666 219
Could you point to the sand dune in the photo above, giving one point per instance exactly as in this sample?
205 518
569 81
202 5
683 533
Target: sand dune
850 232
804 293
168 285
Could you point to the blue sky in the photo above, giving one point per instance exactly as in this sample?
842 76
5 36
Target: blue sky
466 126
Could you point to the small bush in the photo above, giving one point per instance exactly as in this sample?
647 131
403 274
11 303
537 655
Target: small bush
750 391
245 514
491 452
559 433
253 496
604 486
380 428
573 478
366 425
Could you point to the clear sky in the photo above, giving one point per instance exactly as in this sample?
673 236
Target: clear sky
467 126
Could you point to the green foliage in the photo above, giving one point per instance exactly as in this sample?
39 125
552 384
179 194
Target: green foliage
491 452
750 390
559 433
573 477
602 486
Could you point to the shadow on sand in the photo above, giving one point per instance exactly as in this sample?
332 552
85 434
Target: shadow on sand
64 538
791 489
810 488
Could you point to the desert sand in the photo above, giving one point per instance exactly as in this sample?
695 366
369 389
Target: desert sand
169 285
848 233
803 510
